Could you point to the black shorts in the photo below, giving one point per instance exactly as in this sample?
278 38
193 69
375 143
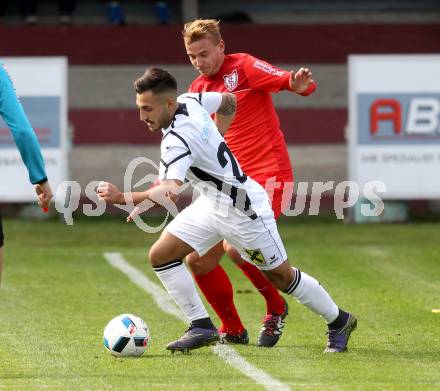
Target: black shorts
1 232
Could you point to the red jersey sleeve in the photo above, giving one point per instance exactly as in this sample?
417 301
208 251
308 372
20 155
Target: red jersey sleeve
264 76
310 90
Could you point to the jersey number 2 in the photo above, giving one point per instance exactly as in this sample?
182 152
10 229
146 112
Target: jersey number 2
222 150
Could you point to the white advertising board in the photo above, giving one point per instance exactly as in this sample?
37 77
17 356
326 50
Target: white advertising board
394 124
41 84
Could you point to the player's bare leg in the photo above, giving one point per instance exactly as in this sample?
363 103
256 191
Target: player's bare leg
166 257
217 288
276 306
206 263
310 293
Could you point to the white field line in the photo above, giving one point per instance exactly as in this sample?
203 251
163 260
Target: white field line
167 305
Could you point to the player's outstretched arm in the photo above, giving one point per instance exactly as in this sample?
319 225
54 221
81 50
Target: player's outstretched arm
226 112
110 193
165 193
302 82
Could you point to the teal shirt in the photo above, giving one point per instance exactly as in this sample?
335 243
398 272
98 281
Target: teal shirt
24 136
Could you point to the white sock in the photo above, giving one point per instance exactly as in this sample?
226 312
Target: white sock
310 293
180 286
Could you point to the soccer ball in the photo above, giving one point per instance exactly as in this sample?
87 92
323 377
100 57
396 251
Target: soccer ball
126 335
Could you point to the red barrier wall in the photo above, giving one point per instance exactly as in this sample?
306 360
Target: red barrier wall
163 44
300 126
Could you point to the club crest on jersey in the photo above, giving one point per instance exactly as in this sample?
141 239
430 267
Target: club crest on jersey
231 80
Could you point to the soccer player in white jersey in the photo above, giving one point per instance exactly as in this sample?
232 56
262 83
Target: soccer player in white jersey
231 206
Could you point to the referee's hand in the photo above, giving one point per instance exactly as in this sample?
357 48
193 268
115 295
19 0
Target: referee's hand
44 193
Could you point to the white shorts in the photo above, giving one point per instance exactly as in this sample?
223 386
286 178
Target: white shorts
202 226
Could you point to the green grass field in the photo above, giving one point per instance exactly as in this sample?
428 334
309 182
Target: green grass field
58 293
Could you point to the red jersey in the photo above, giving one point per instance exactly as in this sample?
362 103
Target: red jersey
254 137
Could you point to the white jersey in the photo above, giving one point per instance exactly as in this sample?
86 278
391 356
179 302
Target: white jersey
193 149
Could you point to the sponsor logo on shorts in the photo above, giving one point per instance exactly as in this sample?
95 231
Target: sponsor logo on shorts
273 259
231 80
256 257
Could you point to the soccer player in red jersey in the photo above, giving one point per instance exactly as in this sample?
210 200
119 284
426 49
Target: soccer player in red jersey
256 140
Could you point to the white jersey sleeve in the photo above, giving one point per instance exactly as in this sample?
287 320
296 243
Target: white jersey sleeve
176 157
210 101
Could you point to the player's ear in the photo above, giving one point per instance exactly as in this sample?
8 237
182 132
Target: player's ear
171 101
221 46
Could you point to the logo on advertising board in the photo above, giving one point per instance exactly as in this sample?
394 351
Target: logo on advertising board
43 113
231 80
403 118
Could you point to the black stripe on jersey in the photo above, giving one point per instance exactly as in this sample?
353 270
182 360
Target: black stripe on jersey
176 159
294 283
181 110
168 265
181 139
191 97
167 165
228 189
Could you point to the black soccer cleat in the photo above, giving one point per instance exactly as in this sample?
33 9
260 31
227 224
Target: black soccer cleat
272 328
242 338
194 338
338 339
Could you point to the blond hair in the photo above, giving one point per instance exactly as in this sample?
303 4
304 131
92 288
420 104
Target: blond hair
202 28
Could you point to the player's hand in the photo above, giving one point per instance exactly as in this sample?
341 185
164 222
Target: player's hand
135 212
155 183
110 193
140 208
301 80
44 193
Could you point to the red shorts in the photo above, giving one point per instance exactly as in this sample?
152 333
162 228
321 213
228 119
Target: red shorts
274 183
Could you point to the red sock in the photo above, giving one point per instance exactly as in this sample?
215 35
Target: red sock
217 289
274 301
